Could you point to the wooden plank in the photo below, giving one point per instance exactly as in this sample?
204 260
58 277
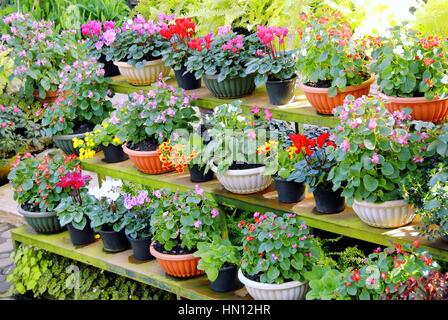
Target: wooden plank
346 223
297 111
121 263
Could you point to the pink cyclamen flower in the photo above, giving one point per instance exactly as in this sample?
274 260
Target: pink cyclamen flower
375 158
16 109
267 114
345 145
372 124
255 109
197 224
199 191
157 194
215 213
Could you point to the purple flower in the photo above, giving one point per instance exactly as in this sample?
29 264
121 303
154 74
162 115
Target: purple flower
199 191
197 224
255 109
274 256
345 145
375 158
173 100
157 194
215 213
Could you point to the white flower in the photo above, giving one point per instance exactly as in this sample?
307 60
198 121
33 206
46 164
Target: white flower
444 80
113 196
96 192
399 50
232 108
117 183
106 185
303 52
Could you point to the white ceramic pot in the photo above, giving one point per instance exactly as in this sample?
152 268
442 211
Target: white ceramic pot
143 76
292 290
245 181
389 214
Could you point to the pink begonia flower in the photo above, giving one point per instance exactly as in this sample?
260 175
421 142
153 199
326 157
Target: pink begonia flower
170 112
157 194
252 135
345 146
375 158
267 114
16 109
173 100
417 159
199 191
215 213
197 224
372 124
255 109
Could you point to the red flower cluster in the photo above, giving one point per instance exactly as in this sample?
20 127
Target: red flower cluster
304 144
430 42
198 43
74 180
182 28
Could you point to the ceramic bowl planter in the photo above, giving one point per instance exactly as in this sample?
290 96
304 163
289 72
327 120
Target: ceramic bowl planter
390 214
329 201
227 279
146 161
245 181
187 81
281 92
114 241
65 142
140 248
197 174
289 191
435 110
114 154
81 237
177 265
292 290
324 104
230 88
42 222
143 76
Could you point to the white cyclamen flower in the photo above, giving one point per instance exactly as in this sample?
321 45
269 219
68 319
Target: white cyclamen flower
399 50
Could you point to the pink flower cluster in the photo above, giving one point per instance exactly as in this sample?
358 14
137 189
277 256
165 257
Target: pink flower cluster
140 26
268 34
95 28
234 44
135 201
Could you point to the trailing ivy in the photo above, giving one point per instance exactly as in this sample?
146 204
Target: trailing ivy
47 275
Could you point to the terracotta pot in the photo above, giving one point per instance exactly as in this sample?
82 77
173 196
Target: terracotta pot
146 161
324 104
177 265
143 76
435 110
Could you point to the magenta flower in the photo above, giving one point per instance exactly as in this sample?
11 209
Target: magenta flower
345 145
199 191
267 114
255 109
372 124
417 159
157 194
375 158
215 213
197 224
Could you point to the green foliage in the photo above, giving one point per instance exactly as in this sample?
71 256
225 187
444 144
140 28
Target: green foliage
69 211
150 9
350 257
431 18
50 276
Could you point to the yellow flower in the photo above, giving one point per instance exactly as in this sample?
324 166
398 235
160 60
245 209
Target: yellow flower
105 125
116 141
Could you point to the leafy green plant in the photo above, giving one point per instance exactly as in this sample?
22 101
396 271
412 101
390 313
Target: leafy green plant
215 255
138 218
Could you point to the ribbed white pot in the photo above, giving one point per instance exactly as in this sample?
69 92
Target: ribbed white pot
292 290
143 76
245 181
389 214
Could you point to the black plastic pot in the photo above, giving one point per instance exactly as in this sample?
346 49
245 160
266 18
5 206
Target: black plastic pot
187 81
81 237
281 92
140 247
329 201
227 280
289 191
114 241
197 174
110 70
114 154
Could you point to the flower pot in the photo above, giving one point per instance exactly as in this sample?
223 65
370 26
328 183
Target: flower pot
197 174
187 81
329 201
324 104
110 69
65 142
42 222
281 92
227 280
50 96
289 191
146 161
435 110
140 248
390 214
81 237
114 241
245 181
143 76
114 154
230 88
177 265
292 290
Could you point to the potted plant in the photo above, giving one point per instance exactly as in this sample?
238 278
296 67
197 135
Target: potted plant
332 63
313 169
108 215
151 118
274 65
179 222
411 73
136 50
376 150
278 250
99 35
137 223
73 211
179 33
280 161
40 54
221 62
220 260
102 136
34 181
231 153
87 104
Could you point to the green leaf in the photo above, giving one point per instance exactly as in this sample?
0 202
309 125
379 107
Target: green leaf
364 295
387 169
273 273
370 183
27 185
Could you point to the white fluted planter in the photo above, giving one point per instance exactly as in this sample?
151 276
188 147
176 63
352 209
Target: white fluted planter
292 290
143 76
389 214
245 181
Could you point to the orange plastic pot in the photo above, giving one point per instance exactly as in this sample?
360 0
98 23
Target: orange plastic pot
324 104
177 265
146 161
435 110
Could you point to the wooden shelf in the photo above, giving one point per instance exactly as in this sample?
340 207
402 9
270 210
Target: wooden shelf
123 264
298 111
346 223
